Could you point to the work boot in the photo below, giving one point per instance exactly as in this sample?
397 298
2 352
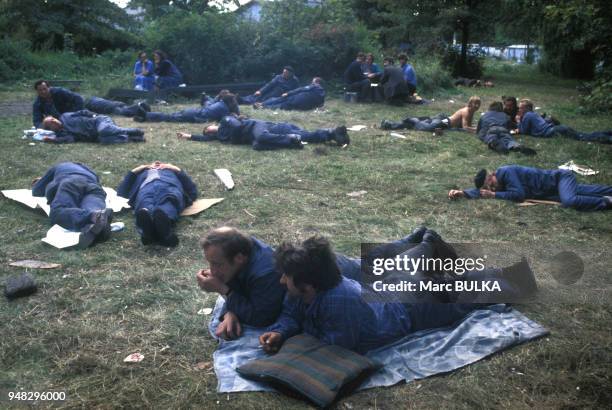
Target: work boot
386 125
163 227
145 223
146 107
340 135
442 249
107 219
141 115
295 141
91 231
527 151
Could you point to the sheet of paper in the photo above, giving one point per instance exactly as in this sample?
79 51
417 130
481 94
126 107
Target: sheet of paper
397 135
200 205
226 177
61 238
30 263
357 128
579 169
114 201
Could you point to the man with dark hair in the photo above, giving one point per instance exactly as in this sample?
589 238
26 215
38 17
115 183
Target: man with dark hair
510 109
158 193
517 183
208 112
280 84
303 98
77 201
53 101
326 305
533 124
263 135
85 126
494 130
242 271
394 86
357 81
409 73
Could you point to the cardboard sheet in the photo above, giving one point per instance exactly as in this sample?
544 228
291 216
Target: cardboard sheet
61 238
200 205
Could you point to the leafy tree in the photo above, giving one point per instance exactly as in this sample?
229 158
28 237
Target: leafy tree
97 24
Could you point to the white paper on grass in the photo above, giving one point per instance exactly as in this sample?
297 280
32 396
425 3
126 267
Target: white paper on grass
357 128
579 169
397 135
61 238
226 177
24 196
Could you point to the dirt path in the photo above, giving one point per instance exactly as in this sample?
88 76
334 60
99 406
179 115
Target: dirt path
10 108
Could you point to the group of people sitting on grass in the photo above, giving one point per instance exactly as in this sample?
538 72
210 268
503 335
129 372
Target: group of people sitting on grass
157 74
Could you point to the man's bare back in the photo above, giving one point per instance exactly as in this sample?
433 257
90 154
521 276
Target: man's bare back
463 117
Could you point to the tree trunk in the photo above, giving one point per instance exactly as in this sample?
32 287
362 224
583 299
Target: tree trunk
465 35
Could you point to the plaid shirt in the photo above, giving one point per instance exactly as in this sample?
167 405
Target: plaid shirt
339 316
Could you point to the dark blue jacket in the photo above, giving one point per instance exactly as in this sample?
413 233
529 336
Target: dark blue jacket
492 119
303 98
62 100
279 85
167 69
409 74
256 292
517 183
533 124
216 111
180 184
48 184
80 126
354 73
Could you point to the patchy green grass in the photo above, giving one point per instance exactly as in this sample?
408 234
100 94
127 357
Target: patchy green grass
121 297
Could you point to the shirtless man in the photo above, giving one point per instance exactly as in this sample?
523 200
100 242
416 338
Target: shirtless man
461 119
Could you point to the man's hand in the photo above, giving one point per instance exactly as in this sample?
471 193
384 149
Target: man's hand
271 341
171 167
139 169
230 327
455 194
485 193
209 283
183 136
258 93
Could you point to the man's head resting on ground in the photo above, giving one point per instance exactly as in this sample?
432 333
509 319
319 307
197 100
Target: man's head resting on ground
51 123
308 268
483 180
227 251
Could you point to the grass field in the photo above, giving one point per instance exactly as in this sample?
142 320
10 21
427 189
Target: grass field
121 297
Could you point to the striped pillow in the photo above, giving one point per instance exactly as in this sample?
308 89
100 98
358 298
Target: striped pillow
316 370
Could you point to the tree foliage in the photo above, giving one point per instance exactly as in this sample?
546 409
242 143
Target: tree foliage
94 24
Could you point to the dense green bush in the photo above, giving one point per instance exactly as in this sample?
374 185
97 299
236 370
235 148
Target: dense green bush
431 76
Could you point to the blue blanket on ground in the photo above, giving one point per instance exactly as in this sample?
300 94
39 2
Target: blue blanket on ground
416 356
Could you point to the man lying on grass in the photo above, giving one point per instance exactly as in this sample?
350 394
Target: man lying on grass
517 183
533 124
242 270
323 303
77 201
461 119
264 135
85 126
158 193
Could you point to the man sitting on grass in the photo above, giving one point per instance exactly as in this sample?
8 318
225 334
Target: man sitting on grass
77 201
280 84
85 126
158 193
461 119
533 124
304 98
324 304
517 183
263 135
